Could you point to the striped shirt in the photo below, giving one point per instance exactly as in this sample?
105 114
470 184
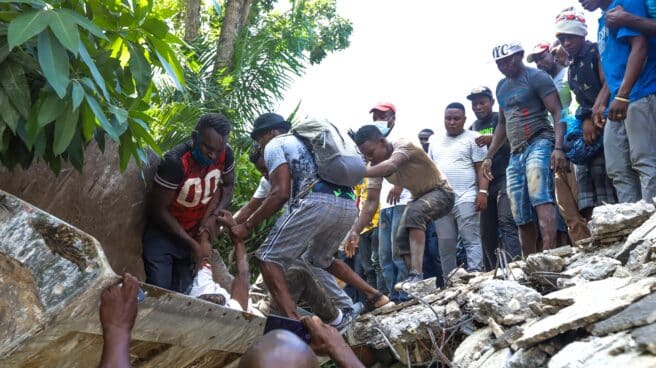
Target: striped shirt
456 157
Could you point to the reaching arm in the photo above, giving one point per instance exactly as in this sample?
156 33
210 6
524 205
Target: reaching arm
280 180
601 102
498 138
387 167
245 212
483 184
369 208
239 287
118 312
160 200
552 103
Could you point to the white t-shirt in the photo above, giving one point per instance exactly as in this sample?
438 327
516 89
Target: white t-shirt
263 189
456 157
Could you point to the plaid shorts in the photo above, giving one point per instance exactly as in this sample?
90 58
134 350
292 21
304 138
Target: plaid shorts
318 225
594 185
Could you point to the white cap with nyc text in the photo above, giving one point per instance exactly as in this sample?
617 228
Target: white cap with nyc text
506 49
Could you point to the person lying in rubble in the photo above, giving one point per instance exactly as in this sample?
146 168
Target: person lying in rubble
203 285
404 164
312 286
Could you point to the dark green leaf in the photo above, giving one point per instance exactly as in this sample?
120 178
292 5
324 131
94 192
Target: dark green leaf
140 130
50 109
12 78
65 29
8 114
140 68
119 119
75 151
5 137
31 2
156 27
32 125
102 118
26 26
125 151
4 52
85 23
88 121
95 73
169 62
77 93
54 63
65 128
40 143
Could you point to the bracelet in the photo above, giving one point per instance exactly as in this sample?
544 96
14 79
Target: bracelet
484 191
623 99
559 149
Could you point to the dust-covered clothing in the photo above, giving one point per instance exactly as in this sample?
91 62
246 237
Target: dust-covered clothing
525 113
419 174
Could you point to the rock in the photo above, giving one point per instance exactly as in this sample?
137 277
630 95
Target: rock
472 347
593 268
613 219
645 337
637 314
452 313
640 255
564 251
535 357
543 262
505 301
493 359
646 231
423 288
590 302
612 351
563 282
461 276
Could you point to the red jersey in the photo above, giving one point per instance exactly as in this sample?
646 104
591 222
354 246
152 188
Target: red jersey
194 185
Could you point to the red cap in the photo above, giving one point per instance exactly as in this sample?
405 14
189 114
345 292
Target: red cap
384 106
538 49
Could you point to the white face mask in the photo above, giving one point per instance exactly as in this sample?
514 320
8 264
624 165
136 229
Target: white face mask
382 127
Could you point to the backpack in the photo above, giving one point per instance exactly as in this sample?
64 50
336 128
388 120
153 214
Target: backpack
338 160
576 150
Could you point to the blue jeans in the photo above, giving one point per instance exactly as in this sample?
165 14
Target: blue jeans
393 267
432 267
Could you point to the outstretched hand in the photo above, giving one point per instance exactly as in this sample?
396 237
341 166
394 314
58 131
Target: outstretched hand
351 243
118 305
326 341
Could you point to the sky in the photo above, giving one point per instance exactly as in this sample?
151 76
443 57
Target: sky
420 55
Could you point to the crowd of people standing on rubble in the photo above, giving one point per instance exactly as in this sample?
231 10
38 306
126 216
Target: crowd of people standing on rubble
575 128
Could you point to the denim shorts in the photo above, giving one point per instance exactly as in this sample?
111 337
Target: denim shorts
530 180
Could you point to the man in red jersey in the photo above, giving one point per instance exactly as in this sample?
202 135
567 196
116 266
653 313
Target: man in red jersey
194 181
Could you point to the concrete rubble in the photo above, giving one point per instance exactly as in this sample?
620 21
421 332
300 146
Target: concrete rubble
588 305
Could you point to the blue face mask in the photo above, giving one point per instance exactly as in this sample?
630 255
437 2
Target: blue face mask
382 127
199 157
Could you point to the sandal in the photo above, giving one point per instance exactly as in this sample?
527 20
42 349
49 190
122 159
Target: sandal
377 301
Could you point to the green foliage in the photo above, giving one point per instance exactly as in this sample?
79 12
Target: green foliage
74 70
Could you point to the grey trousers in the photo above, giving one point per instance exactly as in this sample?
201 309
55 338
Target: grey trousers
630 151
463 220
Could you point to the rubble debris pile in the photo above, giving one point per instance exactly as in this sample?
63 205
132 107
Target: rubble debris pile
590 305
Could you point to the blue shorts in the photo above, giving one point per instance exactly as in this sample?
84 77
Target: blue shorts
530 181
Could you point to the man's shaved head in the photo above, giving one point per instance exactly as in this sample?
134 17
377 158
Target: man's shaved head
279 349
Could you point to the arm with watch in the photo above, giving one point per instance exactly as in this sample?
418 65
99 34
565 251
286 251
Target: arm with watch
558 160
483 184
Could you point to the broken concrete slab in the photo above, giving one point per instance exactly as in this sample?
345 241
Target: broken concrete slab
493 359
640 255
613 351
593 268
637 314
614 218
471 349
645 337
609 296
645 231
505 301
